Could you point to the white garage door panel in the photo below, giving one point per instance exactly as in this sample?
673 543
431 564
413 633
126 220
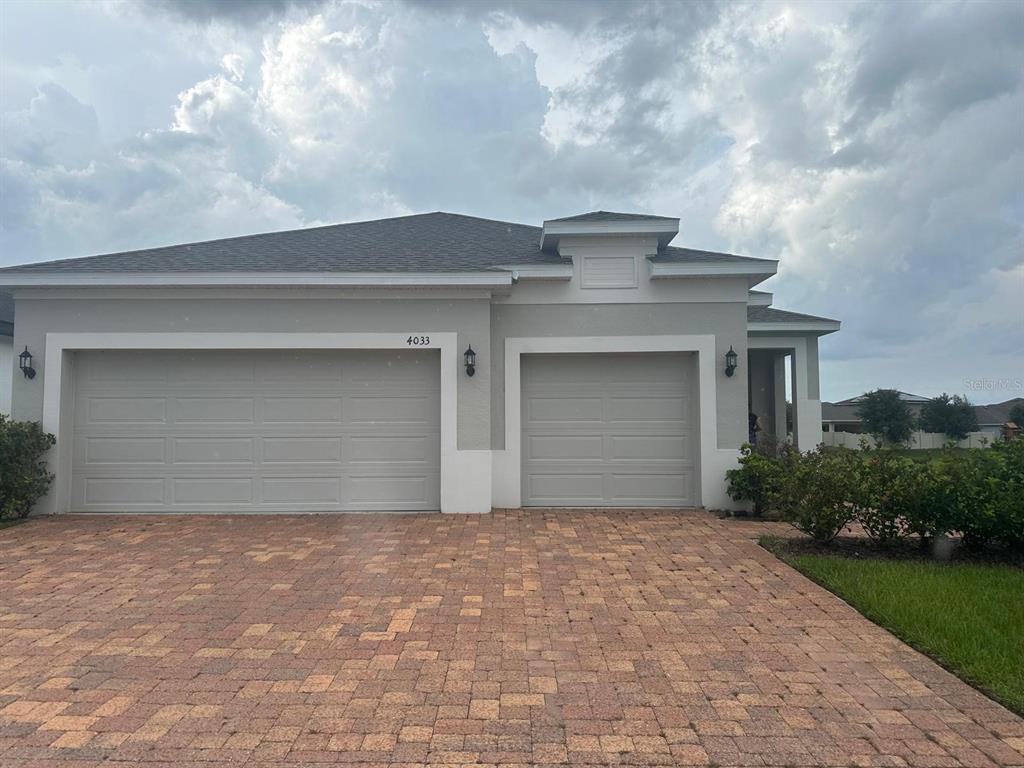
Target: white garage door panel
609 430
256 431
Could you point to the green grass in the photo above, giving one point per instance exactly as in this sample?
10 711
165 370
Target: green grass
969 618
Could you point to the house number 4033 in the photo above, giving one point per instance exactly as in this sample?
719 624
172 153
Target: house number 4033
418 341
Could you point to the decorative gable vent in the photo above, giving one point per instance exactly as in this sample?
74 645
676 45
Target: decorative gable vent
608 272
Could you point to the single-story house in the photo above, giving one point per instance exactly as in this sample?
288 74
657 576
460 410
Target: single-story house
6 350
426 362
842 416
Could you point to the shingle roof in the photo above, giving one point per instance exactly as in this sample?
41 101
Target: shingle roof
612 216
673 255
758 314
996 413
429 242
6 314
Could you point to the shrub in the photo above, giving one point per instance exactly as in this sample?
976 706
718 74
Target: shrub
757 477
23 475
902 496
889 481
1009 528
820 492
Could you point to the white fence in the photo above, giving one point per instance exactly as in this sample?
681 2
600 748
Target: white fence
917 440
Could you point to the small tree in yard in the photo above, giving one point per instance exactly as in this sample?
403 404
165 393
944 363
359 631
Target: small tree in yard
886 417
24 478
953 416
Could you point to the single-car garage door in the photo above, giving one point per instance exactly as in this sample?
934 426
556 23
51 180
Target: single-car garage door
240 431
609 430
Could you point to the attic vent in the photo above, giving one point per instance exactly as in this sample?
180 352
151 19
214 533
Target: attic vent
608 272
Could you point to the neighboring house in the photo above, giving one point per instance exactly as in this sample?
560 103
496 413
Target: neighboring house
842 417
6 350
992 418
329 368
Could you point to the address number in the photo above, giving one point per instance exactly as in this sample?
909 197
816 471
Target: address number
418 341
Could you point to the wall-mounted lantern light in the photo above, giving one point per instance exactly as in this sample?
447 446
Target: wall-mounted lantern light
730 361
25 363
470 356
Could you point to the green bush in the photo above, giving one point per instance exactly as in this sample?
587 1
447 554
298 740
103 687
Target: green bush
976 493
905 496
23 475
757 477
985 492
890 484
820 492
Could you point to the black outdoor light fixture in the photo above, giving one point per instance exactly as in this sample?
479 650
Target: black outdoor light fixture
730 361
470 356
25 363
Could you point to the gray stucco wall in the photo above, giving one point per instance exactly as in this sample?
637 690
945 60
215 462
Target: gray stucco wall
307 313
727 321
813 375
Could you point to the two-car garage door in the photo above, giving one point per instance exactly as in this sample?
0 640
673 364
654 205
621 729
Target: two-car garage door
609 430
268 430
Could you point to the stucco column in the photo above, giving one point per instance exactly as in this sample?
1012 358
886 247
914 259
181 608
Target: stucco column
806 406
779 406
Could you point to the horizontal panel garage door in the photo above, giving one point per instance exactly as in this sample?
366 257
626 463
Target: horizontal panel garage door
237 431
609 430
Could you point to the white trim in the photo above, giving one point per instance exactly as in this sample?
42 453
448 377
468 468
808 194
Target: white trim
712 269
385 279
759 299
664 228
539 271
810 326
507 474
465 475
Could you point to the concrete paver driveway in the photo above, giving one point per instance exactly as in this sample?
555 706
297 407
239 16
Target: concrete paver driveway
519 637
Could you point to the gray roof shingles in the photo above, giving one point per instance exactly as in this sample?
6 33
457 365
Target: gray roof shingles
429 242
757 314
596 216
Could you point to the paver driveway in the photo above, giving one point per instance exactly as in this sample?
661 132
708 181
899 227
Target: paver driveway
517 637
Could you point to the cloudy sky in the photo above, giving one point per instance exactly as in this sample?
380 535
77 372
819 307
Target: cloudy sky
876 149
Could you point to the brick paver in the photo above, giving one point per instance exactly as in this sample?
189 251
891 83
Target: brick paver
533 638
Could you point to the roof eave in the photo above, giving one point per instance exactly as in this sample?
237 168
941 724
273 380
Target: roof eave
665 229
490 279
818 327
755 271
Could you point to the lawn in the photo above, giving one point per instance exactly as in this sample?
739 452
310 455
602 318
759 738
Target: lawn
969 618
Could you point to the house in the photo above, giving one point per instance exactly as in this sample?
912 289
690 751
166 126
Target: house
6 350
424 362
842 416
994 417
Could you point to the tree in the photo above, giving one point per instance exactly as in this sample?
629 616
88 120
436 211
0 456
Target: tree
885 416
1017 414
952 416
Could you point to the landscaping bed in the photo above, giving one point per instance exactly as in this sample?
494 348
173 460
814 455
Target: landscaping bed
967 614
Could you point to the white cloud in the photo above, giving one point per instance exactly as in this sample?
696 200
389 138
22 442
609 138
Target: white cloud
874 148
